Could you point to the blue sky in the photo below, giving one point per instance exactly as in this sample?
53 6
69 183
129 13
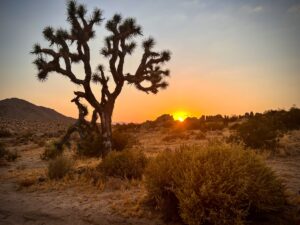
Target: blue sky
227 56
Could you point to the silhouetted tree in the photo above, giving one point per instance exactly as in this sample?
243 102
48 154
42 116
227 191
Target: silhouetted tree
60 56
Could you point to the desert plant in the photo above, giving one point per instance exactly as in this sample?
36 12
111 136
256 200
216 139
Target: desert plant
90 146
264 130
11 156
59 167
8 155
5 133
200 135
122 140
216 184
128 164
73 46
3 151
174 136
51 151
258 132
27 182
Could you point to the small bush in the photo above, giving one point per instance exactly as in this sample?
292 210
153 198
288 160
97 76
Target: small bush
8 155
51 151
126 164
5 133
59 167
3 151
122 140
27 182
212 126
200 136
218 184
90 146
11 156
175 136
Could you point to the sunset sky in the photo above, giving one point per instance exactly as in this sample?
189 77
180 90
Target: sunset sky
228 57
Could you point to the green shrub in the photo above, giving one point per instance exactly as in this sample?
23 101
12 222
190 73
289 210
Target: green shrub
217 184
175 136
3 151
200 135
11 156
8 155
59 167
90 146
258 133
51 151
122 140
5 133
125 164
213 125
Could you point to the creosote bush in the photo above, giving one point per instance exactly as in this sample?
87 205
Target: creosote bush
59 167
51 151
217 184
8 155
122 140
4 133
200 135
258 133
90 146
3 151
175 136
11 156
129 164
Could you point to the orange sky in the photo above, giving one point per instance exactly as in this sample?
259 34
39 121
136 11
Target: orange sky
227 58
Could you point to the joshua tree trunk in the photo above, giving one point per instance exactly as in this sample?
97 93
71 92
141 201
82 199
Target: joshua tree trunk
106 128
106 132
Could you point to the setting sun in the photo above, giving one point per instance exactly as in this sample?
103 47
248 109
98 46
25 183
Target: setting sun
180 116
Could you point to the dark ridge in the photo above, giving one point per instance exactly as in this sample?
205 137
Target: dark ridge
15 108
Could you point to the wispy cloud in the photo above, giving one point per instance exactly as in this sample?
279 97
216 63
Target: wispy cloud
190 2
252 9
294 9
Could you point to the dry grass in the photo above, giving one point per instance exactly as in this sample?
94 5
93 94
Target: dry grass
124 197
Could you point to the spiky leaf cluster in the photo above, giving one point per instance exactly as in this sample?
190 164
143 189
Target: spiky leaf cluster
61 40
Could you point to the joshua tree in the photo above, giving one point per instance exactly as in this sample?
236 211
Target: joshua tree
67 47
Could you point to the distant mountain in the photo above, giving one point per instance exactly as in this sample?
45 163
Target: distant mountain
14 108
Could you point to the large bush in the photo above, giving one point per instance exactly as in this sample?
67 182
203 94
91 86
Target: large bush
218 184
258 132
264 130
126 164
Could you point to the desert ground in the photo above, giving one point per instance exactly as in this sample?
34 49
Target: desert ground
27 196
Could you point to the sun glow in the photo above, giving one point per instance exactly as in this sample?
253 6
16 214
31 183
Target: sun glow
180 116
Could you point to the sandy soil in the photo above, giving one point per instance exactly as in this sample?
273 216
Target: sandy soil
61 203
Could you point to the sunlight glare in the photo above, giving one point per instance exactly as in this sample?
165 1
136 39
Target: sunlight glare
180 116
